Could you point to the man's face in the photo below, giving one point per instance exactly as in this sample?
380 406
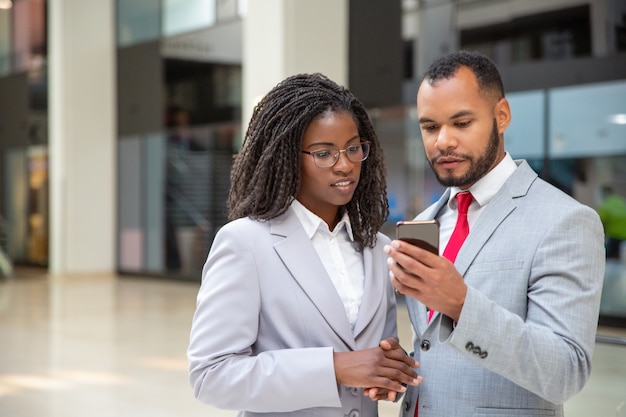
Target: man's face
462 130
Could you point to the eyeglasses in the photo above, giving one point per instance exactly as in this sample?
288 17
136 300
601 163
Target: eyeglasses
326 158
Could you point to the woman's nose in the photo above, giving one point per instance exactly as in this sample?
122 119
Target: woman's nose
343 163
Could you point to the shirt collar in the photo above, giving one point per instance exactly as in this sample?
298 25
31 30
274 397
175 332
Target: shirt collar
487 187
312 222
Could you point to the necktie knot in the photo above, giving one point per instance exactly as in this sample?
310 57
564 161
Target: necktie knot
461 229
464 200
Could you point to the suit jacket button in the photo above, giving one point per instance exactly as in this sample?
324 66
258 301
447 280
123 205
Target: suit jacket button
354 413
483 355
425 345
354 391
469 346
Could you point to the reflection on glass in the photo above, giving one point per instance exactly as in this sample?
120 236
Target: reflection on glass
138 21
5 43
185 16
578 129
29 34
38 205
16 211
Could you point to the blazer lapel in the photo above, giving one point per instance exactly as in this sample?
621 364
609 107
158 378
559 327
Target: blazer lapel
299 256
373 290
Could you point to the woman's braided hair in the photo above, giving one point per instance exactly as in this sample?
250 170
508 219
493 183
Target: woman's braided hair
266 175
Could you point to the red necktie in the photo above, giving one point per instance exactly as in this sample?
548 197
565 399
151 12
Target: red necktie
460 232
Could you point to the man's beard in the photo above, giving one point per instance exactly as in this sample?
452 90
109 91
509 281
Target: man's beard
478 168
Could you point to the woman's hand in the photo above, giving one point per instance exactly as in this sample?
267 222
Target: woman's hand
375 393
382 370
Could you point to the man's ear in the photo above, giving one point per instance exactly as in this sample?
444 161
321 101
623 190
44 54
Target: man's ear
502 112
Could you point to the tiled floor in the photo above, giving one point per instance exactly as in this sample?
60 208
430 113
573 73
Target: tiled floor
103 346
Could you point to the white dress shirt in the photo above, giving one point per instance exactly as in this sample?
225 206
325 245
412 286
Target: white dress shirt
339 255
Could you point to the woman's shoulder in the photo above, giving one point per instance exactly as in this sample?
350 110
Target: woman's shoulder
243 227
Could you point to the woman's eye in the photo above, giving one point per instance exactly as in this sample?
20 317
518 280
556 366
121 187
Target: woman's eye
354 149
321 154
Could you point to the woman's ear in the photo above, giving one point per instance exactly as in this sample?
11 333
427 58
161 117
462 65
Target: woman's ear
502 113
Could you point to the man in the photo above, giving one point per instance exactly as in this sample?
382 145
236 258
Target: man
514 315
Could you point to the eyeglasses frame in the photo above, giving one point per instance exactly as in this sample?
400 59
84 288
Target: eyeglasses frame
337 155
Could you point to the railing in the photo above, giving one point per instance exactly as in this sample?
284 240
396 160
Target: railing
6 265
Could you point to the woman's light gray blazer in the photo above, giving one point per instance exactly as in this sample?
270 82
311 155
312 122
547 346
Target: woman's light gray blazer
269 318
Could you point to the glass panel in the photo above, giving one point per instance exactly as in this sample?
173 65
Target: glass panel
138 21
38 205
30 34
611 175
524 136
579 128
184 16
5 41
16 197
155 153
131 233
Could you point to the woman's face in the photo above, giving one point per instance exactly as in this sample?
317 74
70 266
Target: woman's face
324 190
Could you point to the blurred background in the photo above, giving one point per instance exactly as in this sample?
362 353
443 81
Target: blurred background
119 119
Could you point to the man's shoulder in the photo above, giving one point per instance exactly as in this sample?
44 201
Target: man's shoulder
525 178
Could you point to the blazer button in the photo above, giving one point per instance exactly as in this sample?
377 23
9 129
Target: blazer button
354 413
354 391
483 355
425 345
469 346
407 406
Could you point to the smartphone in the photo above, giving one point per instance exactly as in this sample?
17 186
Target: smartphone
422 233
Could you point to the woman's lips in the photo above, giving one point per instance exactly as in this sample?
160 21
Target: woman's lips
344 186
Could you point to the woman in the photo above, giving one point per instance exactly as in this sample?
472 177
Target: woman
295 296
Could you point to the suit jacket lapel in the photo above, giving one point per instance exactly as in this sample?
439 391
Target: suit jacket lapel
299 256
502 204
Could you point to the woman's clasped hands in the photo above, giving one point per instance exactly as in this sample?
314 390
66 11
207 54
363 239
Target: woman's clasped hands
383 371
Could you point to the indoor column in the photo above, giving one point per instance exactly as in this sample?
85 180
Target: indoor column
81 36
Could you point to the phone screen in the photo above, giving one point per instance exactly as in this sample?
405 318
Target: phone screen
421 233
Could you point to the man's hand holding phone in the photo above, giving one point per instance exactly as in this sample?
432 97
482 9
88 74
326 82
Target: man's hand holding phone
417 270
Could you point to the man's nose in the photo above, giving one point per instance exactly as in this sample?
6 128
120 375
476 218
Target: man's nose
446 138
